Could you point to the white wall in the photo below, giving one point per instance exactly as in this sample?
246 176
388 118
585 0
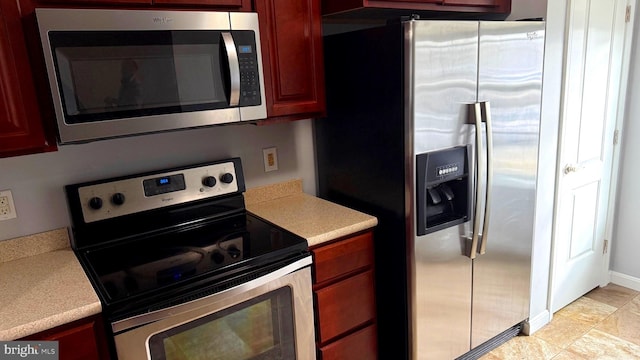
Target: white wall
626 239
36 181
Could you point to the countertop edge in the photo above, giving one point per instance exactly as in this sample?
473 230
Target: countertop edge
51 322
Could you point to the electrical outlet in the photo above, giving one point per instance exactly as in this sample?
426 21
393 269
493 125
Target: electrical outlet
270 159
7 208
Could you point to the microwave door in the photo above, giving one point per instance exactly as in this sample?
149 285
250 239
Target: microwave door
233 68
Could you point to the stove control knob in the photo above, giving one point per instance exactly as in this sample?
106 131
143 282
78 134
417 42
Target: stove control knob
234 252
95 203
217 257
117 198
209 181
227 178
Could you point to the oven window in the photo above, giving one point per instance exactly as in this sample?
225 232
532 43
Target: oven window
260 328
109 75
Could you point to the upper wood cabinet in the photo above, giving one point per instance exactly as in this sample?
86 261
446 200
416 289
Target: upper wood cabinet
292 58
237 5
21 129
425 8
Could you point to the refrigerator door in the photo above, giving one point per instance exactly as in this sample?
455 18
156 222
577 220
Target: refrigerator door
510 79
440 79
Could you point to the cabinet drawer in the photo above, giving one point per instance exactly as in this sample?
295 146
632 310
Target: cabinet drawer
360 345
345 305
343 257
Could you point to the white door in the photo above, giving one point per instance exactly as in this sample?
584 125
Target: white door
594 61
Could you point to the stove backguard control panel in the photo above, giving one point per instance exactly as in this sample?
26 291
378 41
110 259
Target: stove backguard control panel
114 198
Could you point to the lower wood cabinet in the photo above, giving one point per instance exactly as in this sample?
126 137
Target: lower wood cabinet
83 339
344 296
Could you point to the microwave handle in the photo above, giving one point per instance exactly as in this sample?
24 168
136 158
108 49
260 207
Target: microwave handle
234 68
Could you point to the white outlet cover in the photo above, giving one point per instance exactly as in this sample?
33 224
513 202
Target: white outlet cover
270 156
12 209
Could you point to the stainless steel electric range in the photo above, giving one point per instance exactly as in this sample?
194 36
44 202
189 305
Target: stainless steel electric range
183 271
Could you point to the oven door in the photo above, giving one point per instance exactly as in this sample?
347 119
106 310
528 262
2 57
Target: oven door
267 318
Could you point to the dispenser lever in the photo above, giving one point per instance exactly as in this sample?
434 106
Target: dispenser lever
446 190
434 195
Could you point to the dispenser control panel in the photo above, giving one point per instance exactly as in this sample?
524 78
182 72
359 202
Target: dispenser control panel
443 187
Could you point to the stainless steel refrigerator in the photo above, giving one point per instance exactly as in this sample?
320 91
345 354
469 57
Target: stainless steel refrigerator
432 126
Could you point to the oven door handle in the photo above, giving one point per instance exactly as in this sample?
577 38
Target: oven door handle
151 317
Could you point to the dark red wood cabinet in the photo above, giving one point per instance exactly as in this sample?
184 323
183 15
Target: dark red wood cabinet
344 296
83 339
292 58
21 128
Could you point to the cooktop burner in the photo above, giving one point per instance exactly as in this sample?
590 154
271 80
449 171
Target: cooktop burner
210 250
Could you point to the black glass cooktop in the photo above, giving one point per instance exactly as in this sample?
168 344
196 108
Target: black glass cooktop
192 254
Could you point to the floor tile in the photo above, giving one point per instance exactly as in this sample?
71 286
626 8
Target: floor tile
612 294
562 331
598 345
524 347
624 324
634 305
587 311
567 355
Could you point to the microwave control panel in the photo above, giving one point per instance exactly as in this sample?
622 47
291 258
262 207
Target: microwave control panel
249 72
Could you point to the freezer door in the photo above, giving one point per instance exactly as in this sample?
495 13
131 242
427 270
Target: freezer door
510 78
441 74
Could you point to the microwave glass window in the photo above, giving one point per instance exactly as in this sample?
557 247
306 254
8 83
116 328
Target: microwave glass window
104 79
162 73
261 328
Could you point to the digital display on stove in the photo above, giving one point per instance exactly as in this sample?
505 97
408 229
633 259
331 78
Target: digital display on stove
163 185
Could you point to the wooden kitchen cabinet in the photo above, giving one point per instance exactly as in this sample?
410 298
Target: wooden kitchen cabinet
344 296
227 5
424 8
83 339
21 127
292 58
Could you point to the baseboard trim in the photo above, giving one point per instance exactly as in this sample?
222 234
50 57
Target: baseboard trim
536 323
625 280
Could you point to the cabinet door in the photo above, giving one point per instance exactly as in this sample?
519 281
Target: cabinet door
362 344
83 339
21 130
94 2
345 305
291 37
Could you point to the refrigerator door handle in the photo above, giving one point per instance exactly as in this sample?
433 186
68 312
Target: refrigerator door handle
484 237
475 118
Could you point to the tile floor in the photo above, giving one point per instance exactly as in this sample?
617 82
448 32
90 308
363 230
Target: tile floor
603 324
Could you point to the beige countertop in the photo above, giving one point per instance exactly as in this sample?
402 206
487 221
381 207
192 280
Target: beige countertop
310 217
42 285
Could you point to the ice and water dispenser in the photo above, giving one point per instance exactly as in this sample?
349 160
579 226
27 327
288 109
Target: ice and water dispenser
443 189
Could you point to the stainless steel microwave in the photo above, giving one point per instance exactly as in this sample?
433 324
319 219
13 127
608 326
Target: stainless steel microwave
117 73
